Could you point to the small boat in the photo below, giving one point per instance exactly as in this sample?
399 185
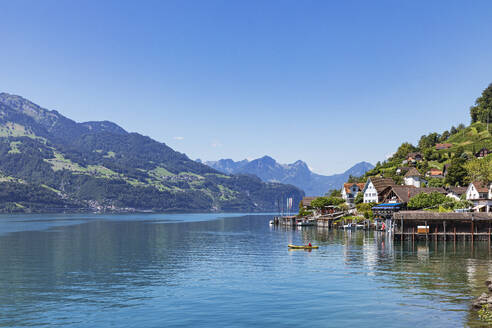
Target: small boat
302 246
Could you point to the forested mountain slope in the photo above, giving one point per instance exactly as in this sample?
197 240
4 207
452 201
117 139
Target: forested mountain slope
66 165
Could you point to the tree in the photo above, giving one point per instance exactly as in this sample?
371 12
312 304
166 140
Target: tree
435 182
437 202
427 201
402 152
429 141
322 202
479 169
456 172
482 111
359 198
334 193
365 209
354 179
445 135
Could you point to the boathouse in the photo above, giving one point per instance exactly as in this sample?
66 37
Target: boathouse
415 225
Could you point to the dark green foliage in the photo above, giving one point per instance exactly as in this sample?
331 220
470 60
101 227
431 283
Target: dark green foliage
428 201
436 201
322 202
429 141
20 197
359 198
482 111
456 175
435 182
334 193
403 151
365 209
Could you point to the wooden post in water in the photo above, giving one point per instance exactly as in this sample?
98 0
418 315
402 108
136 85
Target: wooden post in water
472 228
426 231
435 233
413 234
444 227
454 238
401 228
489 237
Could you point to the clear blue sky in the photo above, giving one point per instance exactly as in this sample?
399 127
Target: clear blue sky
331 83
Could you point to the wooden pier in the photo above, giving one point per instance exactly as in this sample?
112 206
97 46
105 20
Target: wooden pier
320 221
425 225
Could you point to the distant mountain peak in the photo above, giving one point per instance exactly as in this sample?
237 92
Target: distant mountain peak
297 173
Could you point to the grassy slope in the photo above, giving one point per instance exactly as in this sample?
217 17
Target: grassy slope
159 177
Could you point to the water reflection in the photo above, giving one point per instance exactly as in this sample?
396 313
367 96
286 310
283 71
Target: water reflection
154 272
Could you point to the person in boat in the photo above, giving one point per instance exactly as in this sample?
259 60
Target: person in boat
310 245
383 227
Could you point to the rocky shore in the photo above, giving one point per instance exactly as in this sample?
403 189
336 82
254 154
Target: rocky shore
485 298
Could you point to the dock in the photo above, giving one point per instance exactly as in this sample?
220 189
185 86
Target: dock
426 225
326 220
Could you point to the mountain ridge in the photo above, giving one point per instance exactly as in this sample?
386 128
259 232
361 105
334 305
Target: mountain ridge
97 165
297 173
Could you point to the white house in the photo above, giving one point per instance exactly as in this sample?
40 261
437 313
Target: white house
480 195
350 191
374 187
412 178
456 192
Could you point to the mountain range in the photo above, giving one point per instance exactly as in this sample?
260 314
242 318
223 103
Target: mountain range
297 174
49 162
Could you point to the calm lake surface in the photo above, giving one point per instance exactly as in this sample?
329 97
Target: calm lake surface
226 270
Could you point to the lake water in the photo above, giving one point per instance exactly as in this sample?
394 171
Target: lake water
210 270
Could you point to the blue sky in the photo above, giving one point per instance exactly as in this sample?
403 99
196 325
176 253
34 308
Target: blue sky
331 83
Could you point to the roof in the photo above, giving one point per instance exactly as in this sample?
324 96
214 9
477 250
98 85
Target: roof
414 154
481 187
387 206
404 193
427 215
413 172
457 190
434 171
347 186
382 183
443 145
306 201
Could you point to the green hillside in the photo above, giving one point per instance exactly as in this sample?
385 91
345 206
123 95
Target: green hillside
458 162
99 166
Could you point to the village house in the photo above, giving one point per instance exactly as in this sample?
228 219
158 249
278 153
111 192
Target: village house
306 202
402 194
441 146
483 152
374 187
412 178
434 173
414 157
350 191
481 196
456 192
